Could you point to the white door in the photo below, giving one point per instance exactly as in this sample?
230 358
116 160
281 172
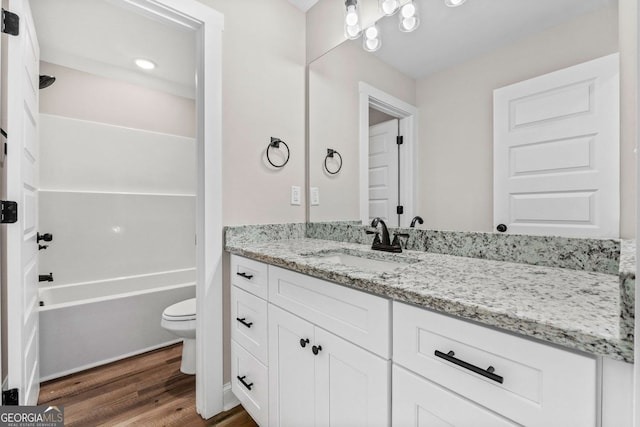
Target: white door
383 172
22 182
418 402
556 152
291 370
352 385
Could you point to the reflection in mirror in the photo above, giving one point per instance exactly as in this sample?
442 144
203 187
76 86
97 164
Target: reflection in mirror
448 70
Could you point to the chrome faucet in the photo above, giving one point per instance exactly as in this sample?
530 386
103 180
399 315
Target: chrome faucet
384 243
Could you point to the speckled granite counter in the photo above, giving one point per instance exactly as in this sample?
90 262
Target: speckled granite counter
583 310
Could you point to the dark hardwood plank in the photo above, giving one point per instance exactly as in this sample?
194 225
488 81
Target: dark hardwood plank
144 390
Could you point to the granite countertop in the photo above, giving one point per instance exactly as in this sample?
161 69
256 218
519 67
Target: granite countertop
576 309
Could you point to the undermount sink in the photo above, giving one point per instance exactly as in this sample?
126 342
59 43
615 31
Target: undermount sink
362 263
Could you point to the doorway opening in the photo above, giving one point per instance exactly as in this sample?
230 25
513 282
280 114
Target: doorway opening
399 178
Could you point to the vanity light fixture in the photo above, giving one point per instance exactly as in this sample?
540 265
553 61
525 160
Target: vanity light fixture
454 3
352 28
409 20
371 40
145 64
389 7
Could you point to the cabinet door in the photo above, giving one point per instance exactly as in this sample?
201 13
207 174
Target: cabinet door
291 370
352 384
421 403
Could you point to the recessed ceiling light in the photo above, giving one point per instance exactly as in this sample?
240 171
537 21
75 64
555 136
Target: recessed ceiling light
454 3
145 64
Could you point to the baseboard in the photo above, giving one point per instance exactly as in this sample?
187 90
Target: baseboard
229 399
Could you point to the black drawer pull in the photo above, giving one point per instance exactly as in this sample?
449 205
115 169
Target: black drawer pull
316 349
304 342
245 275
241 378
485 373
244 322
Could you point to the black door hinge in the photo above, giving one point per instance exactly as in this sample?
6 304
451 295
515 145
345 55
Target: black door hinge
8 212
10 23
399 139
400 210
4 134
11 397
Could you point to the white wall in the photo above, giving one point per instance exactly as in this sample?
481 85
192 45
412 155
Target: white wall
117 178
456 118
263 95
90 97
118 201
334 123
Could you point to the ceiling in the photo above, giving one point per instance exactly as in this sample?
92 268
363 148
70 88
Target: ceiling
303 5
104 37
449 36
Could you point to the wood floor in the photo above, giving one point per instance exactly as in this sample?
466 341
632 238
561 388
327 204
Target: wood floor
145 390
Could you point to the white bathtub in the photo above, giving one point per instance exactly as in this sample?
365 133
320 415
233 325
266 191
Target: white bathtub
89 324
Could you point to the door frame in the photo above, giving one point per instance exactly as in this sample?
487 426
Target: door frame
407 114
208 25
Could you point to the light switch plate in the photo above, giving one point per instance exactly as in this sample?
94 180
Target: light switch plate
315 196
295 195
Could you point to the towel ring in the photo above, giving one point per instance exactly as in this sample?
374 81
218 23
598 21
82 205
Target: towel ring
330 154
275 143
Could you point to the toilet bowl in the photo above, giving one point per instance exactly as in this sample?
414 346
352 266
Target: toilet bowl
180 320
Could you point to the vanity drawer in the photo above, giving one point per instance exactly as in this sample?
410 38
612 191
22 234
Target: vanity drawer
418 402
249 322
249 383
541 385
249 275
357 316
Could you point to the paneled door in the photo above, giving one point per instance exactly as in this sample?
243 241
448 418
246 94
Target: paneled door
556 152
22 183
383 172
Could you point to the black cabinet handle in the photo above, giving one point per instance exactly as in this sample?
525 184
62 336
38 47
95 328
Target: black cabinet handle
241 379
488 373
244 322
304 342
245 275
316 349
501 228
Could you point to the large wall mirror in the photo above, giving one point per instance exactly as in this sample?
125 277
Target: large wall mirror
435 86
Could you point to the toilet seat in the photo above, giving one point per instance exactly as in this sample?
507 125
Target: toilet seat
181 311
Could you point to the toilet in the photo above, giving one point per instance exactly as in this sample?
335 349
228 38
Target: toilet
180 320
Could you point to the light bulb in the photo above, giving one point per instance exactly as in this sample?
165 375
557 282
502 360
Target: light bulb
371 32
372 44
409 23
389 7
408 10
145 64
352 31
454 3
352 16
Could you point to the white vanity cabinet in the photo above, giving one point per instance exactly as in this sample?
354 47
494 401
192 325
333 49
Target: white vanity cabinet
323 371
501 378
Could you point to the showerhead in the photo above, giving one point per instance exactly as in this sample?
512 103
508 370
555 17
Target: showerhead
46 81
